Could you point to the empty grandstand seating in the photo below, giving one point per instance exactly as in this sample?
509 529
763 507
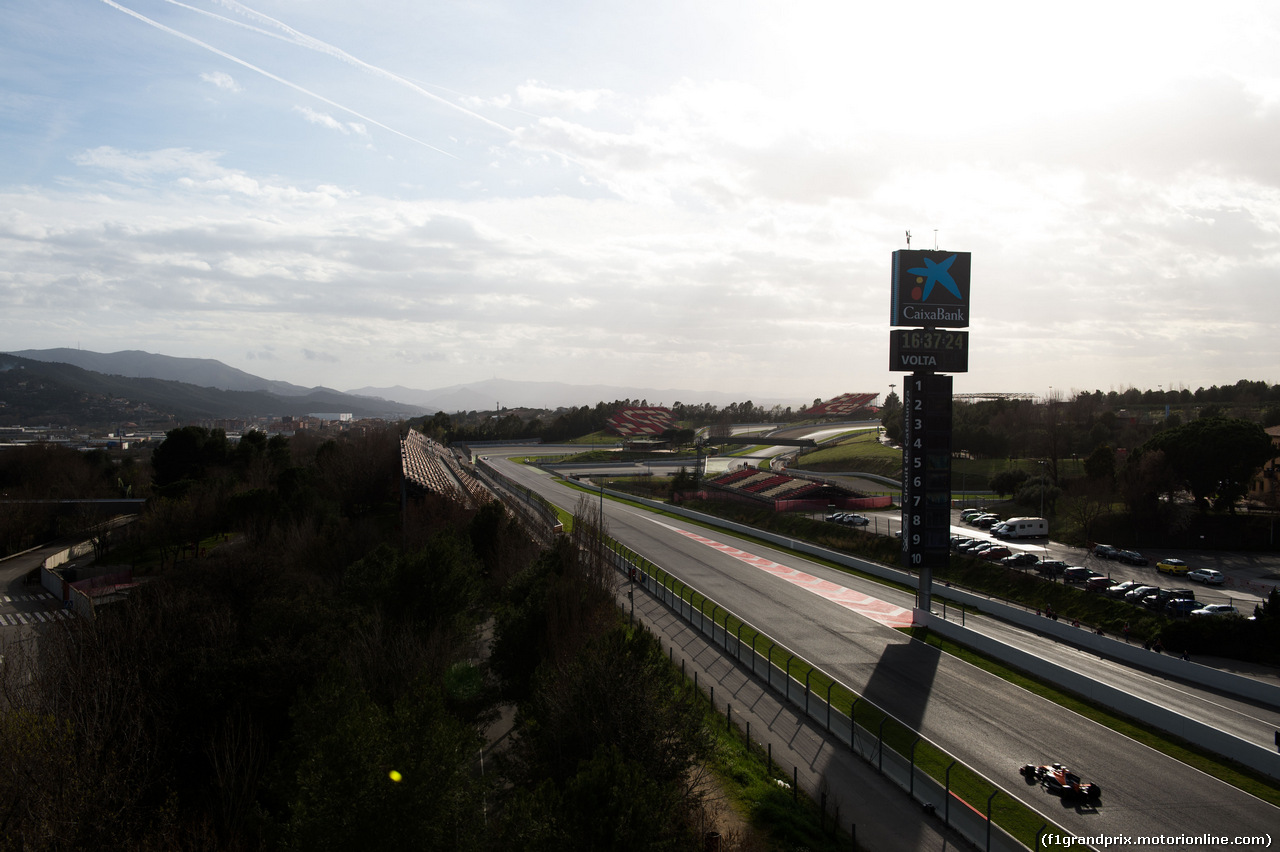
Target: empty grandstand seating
431 467
786 492
845 405
641 421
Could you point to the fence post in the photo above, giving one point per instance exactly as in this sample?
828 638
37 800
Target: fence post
994 793
829 686
853 724
946 807
911 786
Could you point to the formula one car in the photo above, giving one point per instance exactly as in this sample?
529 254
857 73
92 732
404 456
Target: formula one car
1061 781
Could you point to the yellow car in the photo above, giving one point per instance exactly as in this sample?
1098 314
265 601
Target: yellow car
1172 566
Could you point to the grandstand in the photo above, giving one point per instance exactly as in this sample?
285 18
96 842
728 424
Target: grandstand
430 468
641 422
844 407
993 395
785 492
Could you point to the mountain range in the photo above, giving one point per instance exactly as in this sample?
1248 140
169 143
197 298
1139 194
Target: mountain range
487 395
55 393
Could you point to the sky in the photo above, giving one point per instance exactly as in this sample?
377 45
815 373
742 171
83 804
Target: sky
661 195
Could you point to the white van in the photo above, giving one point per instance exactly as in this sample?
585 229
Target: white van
1024 528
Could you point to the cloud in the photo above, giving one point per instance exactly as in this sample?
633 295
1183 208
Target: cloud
325 120
221 79
536 96
142 165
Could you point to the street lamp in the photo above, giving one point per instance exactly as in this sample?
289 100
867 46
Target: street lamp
1046 530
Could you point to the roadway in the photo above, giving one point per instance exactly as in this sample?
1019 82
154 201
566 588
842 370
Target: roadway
26 606
990 725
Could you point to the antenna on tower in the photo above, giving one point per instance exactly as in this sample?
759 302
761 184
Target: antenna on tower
908 239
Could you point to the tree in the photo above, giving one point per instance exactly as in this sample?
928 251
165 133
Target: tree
1086 501
1214 457
1101 464
1009 481
1039 492
188 453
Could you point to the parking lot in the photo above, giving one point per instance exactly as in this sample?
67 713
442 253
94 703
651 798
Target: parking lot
1249 576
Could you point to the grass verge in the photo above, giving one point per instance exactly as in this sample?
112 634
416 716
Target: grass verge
1238 776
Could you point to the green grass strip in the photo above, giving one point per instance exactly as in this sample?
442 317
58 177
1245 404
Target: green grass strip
1014 817
1251 782
1010 814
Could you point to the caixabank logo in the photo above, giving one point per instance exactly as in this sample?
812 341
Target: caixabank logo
930 289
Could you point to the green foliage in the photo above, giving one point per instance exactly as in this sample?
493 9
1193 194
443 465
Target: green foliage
188 453
1214 456
1008 481
613 732
1101 463
342 793
1038 493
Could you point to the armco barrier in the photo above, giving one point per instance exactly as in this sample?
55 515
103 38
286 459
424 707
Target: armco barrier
1106 646
964 817
1250 754
1258 757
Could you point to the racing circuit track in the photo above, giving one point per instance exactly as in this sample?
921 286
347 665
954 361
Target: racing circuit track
992 726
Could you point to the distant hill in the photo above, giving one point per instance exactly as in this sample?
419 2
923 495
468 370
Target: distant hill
488 395
485 395
45 393
133 363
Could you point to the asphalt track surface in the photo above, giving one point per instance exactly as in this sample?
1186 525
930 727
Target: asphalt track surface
883 816
988 724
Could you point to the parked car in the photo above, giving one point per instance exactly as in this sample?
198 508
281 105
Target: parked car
991 554
970 514
1182 606
1020 560
1098 584
857 520
1104 551
971 545
1208 576
1078 575
1052 567
1172 566
1119 590
1158 599
986 522
1216 609
1136 594
1130 557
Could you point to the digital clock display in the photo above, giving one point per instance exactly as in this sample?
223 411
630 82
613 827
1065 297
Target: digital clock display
928 350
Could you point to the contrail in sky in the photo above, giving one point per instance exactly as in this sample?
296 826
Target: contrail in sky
293 36
271 76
